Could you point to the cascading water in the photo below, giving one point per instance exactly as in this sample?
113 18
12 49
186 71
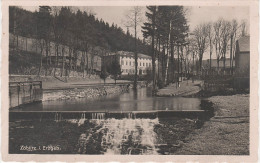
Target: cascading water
120 136
57 117
82 119
98 115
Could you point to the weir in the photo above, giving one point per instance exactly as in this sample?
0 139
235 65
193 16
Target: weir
65 115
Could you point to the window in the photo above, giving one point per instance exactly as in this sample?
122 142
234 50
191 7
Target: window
146 64
140 64
149 64
130 63
122 62
125 62
143 64
126 70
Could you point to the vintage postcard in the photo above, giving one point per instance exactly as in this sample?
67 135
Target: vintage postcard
130 81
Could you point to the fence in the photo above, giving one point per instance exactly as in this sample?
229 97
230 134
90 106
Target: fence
218 82
24 92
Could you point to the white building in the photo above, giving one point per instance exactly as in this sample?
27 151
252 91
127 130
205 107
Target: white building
127 62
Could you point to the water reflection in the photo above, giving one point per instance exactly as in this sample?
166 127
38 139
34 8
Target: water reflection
140 100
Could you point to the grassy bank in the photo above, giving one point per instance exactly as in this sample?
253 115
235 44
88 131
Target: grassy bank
225 134
185 88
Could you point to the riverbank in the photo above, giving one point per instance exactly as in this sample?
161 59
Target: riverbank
185 88
227 133
59 83
87 93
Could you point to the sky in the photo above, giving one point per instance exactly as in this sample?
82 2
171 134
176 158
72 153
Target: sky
195 14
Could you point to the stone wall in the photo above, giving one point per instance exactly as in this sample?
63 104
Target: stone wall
89 93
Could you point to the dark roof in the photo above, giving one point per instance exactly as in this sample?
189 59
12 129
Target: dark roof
244 44
131 54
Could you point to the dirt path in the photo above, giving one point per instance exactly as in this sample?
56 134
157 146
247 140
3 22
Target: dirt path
225 134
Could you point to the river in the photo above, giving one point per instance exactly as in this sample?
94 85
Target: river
140 100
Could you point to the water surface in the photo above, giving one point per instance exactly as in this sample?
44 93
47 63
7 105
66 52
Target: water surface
140 100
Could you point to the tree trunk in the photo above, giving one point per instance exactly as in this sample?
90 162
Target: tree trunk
26 43
56 57
84 63
210 56
218 64
163 64
153 64
135 78
193 66
17 41
159 59
70 60
47 53
178 50
172 61
40 68
63 64
231 46
167 62
50 52
181 61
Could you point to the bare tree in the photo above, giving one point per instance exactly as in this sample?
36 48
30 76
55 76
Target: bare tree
216 27
134 18
233 37
210 41
55 13
201 34
194 50
224 38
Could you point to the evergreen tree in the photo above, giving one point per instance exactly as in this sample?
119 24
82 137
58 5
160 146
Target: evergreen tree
149 30
115 70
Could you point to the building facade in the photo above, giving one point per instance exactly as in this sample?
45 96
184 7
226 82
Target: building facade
127 62
217 67
242 56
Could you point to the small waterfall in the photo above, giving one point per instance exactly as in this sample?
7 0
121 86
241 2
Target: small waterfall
82 119
98 116
131 115
123 136
57 117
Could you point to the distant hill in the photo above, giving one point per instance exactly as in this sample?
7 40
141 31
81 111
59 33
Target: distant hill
76 29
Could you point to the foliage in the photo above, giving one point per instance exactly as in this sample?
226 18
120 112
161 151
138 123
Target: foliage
115 70
166 27
71 28
104 74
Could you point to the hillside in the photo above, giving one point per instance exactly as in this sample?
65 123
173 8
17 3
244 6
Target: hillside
76 29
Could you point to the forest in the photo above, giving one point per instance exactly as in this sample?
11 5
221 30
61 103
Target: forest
72 28
166 38
181 50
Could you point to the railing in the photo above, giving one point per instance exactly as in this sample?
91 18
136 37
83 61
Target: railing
24 92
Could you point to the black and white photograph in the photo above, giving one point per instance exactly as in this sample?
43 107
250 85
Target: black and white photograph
129 80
